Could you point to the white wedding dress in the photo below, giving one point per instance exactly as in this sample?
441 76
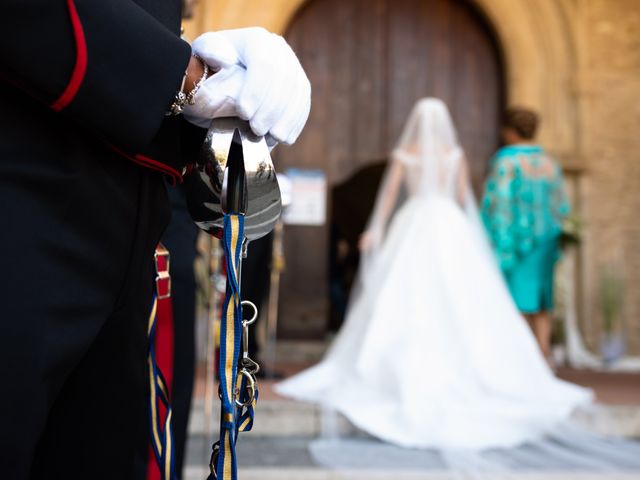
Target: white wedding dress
434 353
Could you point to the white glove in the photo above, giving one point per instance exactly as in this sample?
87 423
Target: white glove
260 80
217 97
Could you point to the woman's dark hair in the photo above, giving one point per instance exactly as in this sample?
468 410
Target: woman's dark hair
522 120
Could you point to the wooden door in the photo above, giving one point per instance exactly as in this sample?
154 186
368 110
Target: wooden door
368 62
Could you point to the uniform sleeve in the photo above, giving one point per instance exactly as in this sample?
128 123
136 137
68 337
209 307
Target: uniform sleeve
107 63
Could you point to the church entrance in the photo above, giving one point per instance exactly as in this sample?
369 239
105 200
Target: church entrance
368 62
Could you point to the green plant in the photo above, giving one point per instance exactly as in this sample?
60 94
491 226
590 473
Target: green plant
558 334
571 234
611 298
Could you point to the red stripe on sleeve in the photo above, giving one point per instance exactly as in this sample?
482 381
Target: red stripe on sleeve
80 68
174 176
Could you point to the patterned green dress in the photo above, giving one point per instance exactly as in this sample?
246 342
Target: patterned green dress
523 206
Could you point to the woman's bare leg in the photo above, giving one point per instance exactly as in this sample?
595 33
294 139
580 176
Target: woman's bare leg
530 318
543 332
540 324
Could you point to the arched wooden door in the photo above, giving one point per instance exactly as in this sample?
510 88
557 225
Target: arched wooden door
368 62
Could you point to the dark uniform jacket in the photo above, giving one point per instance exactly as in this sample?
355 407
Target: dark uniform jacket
84 147
109 69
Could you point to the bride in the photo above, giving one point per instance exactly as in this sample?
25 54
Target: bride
434 352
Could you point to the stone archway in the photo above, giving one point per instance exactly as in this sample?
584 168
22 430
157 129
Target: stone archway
543 49
537 40
561 57
380 57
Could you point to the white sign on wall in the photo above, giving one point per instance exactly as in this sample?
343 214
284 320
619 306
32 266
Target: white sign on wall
308 197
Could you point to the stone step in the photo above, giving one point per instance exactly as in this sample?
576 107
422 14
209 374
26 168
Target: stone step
199 473
285 418
280 458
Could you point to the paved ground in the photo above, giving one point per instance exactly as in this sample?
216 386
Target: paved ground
610 388
306 474
279 446
289 458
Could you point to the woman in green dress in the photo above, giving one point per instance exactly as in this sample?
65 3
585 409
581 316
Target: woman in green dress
523 207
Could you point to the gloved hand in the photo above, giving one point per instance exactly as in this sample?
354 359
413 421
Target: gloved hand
259 79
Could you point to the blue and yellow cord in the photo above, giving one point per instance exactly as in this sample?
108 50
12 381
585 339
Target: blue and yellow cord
230 338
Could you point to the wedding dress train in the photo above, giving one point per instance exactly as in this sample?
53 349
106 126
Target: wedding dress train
433 352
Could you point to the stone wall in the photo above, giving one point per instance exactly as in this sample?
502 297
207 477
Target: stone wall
578 63
608 51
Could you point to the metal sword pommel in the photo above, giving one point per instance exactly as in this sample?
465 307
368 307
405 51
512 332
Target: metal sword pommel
233 173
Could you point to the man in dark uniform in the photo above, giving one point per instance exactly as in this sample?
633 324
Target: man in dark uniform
84 144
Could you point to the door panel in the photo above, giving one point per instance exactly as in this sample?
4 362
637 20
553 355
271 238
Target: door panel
369 61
